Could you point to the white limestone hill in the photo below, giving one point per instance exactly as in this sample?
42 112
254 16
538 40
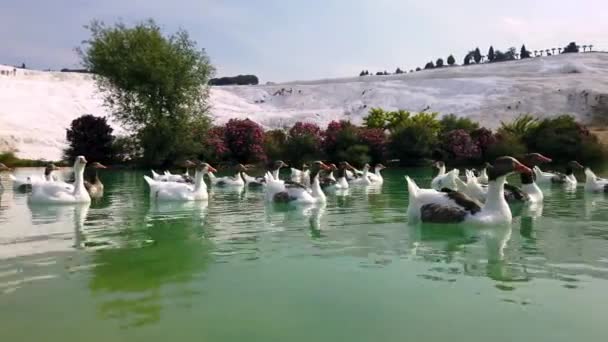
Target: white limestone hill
36 107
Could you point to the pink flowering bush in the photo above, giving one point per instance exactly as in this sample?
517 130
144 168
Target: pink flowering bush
245 140
304 142
459 144
376 141
214 146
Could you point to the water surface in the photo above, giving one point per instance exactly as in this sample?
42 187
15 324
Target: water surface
236 269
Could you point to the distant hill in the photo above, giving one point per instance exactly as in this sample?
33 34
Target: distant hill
36 107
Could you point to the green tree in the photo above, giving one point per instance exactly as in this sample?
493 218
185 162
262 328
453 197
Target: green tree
523 53
572 47
439 63
451 60
376 118
429 65
520 127
467 59
155 85
416 138
90 136
491 54
477 55
452 122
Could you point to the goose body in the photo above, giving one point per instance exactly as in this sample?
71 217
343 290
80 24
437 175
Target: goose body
95 187
48 192
174 191
376 177
430 205
229 181
594 183
364 178
568 178
444 179
279 192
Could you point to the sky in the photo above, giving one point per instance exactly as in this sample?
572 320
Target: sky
308 39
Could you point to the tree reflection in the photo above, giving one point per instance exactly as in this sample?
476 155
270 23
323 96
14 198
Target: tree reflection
164 250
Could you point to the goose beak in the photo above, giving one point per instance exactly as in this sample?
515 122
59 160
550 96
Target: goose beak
100 166
544 159
521 168
211 169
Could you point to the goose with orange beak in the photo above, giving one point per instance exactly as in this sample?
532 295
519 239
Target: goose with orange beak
429 205
181 192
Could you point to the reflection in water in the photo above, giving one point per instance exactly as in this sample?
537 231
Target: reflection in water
131 282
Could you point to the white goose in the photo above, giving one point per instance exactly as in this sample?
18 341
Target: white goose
483 175
567 178
229 181
174 191
594 183
444 179
429 205
169 177
364 178
297 175
376 177
25 183
277 192
60 192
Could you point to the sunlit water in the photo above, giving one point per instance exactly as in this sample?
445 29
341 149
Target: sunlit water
236 269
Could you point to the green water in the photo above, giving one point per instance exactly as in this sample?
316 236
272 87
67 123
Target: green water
236 269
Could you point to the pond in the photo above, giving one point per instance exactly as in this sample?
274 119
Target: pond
237 269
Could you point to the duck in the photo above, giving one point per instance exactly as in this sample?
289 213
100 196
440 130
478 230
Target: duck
95 186
594 183
229 181
353 174
567 178
430 205
181 192
364 178
340 183
62 193
275 168
529 191
376 177
444 180
483 174
25 183
296 175
169 177
279 192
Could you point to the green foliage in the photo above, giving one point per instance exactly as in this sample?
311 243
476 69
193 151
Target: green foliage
439 63
451 60
154 85
523 53
376 118
572 47
563 139
491 54
357 154
396 118
415 138
520 127
11 160
452 122
275 142
90 136
467 59
126 149
477 55
429 65
505 145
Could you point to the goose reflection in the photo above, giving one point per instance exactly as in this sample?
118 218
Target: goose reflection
73 216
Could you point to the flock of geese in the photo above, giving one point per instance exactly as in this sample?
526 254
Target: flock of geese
480 197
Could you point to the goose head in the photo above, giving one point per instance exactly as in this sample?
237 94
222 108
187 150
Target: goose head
80 164
366 167
333 167
504 166
97 165
279 164
346 165
534 159
575 165
380 167
241 168
49 169
438 164
188 164
205 168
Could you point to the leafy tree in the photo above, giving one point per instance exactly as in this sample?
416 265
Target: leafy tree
570 48
439 63
523 53
155 85
214 147
491 54
235 80
418 69
304 142
375 140
342 142
415 138
505 145
397 118
467 59
477 55
460 146
429 65
451 60
452 122
376 118
398 71
90 136
275 142
362 73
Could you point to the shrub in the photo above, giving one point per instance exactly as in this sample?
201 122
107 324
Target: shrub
452 122
214 147
460 146
90 136
275 142
245 140
375 140
563 139
339 137
572 47
505 145
235 80
304 142
357 154
484 138
416 138
520 127
126 149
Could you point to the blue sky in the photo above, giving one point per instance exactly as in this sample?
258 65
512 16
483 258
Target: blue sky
298 39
